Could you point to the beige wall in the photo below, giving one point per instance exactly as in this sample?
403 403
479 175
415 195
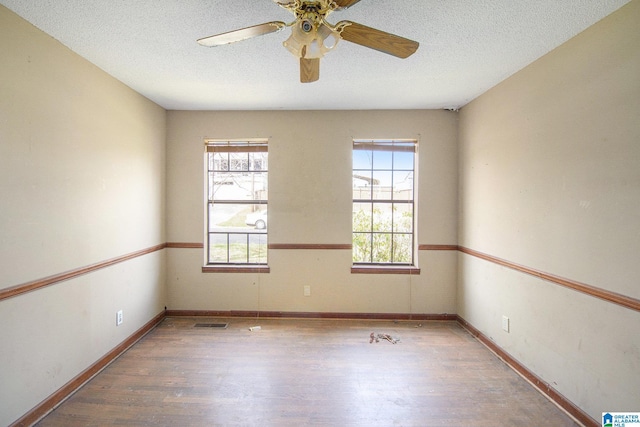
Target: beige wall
310 202
82 167
550 179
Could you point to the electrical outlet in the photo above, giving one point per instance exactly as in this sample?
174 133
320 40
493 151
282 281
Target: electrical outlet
119 318
307 291
505 323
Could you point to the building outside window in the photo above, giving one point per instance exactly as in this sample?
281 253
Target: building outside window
383 202
237 199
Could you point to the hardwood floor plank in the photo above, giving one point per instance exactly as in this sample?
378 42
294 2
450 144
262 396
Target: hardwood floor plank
317 372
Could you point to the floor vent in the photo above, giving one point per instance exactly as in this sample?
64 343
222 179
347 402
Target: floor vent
211 325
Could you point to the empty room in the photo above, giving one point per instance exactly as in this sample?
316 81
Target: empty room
327 212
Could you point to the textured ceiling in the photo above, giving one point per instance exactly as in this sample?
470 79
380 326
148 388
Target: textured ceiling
466 47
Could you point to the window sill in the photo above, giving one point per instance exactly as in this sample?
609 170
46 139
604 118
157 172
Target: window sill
379 269
236 269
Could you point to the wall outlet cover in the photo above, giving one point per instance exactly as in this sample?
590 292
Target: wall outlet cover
119 318
505 323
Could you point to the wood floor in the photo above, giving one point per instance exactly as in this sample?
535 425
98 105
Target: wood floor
295 372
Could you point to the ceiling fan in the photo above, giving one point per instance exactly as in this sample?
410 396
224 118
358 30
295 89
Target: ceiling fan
312 36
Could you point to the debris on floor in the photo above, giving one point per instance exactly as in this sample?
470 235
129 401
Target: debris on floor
255 328
377 337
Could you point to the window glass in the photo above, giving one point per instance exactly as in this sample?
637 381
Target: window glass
237 188
383 207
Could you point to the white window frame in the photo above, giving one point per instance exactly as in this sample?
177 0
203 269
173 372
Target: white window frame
394 233
230 146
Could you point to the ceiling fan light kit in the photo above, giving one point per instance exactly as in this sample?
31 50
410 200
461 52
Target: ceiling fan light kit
312 36
311 41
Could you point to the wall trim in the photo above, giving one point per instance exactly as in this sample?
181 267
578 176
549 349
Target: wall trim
613 297
616 298
51 402
67 275
544 387
185 245
438 247
310 246
310 315
603 294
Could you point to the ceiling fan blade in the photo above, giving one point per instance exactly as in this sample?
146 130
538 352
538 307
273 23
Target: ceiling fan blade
285 3
242 34
376 39
343 4
309 69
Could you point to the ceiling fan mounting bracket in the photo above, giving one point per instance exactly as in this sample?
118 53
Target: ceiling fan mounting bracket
314 10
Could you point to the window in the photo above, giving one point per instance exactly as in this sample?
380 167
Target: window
237 188
383 208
